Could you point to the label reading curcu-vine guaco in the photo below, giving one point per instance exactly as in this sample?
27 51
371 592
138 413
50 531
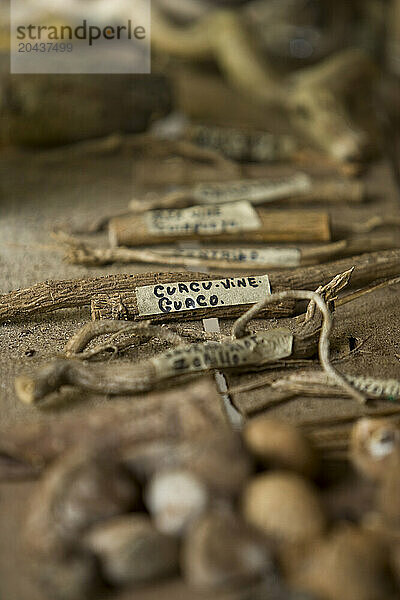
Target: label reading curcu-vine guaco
196 295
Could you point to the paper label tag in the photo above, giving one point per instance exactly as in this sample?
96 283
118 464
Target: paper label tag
195 295
279 257
378 388
244 145
203 220
253 350
254 191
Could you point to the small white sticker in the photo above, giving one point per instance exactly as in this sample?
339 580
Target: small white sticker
253 350
203 220
253 191
273 257
196 295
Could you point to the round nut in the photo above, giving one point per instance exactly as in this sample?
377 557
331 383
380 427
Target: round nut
219 460
174 499
221 551
389 492
349 564
83 487
372 444
280 445
132 551
285 506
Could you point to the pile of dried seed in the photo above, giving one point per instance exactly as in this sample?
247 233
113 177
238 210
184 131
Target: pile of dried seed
229 512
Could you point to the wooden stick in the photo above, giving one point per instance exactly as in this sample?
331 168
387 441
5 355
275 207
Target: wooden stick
273 226
309 384
251 352
297 188
357 244
244 145
54 295
234 222
368 268
314 98
363 292
125 335
132 333
254 258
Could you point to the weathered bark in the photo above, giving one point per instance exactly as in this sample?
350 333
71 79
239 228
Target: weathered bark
53 295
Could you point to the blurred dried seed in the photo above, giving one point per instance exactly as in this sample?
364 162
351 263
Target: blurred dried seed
174 499
131 551
284 506
220 552
280 445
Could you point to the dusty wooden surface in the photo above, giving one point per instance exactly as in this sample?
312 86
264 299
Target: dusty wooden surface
37 196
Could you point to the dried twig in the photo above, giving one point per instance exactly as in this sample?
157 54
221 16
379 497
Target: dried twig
295 188
53 295
317 384
368 267
136 333
230 222
133 334
223 258
314 98
241 324
234 222
253 351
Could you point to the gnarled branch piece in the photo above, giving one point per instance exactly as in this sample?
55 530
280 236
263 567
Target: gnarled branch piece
240 326
313 98
54 295
253 352
133 333
319 384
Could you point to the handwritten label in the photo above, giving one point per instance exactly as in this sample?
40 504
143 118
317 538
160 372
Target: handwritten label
253 350
254 191
195 295
240 145
272 257
203 220
378 388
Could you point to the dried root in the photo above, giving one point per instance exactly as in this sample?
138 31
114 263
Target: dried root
253 351
53 295
319 384
224 257
136 333
314 98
